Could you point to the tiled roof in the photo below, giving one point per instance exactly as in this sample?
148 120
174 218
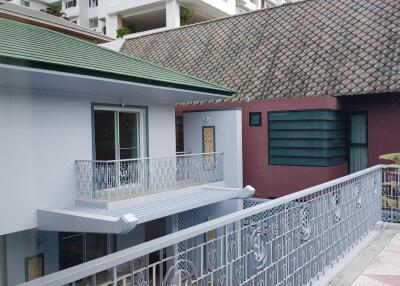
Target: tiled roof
32 46
13 9
311 48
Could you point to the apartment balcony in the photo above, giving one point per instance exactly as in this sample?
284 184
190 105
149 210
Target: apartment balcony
305 238
116 180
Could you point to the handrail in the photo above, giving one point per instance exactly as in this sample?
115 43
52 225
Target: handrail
153 157
129 254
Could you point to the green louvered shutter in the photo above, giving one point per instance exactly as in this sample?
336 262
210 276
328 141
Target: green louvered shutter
307 138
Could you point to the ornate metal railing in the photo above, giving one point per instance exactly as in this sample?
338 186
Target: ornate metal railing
121 179
391 194
288 241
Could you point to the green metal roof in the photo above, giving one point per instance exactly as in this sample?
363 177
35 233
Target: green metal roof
31 46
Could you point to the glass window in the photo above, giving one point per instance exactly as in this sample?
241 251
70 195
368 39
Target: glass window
93 3
255 119
70 4
25 3
93 23
358 142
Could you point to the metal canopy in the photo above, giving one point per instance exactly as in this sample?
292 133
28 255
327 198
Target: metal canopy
123 216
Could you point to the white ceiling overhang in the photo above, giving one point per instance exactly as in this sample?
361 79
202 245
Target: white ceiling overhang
125 215
54 82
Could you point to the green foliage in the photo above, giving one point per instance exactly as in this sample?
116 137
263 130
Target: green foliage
55 11
121 32
186 15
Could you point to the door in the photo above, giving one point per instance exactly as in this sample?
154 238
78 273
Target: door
358 142
118 133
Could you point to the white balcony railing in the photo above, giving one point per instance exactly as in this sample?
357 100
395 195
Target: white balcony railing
121 179
292 240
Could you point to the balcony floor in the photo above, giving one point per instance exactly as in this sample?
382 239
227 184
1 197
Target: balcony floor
376 265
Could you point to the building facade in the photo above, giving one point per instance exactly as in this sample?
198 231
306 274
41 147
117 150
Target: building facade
319 100
89 141
36 15
150 15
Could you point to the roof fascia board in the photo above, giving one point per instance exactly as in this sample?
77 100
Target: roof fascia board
107 75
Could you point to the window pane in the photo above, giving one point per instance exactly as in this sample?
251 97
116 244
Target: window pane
358 158
255 118
129 135
71 249
359 129
104 134
96 245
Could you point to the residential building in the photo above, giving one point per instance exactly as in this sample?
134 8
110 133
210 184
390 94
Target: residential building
318 87
153 15
88 138
304 238
147 15
39 18
36 4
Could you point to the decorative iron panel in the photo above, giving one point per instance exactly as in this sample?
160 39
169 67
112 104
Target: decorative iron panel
293 242
121 179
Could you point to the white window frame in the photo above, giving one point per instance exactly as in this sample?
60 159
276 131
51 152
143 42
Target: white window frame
142 125
67 6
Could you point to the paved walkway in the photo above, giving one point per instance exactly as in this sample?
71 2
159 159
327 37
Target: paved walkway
377 265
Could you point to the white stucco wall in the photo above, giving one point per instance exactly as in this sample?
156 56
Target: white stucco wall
29 243
228 139
41 137
217 210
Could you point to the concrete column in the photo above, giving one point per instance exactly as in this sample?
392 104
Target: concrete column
113 22
172 10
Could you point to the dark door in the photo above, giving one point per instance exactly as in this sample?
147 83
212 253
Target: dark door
358 142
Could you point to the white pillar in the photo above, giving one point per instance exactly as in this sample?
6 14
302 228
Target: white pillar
172 11
113 22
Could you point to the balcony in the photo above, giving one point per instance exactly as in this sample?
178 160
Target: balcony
110 181
300 239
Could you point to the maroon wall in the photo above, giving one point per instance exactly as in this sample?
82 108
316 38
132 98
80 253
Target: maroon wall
273 181
383 123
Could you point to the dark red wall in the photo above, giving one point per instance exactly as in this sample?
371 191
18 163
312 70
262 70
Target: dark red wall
273 181
383 123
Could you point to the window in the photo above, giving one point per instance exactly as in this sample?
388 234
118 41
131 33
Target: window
358 142
255 119
75 22
93 3
70 4
25 3
93 23
307 138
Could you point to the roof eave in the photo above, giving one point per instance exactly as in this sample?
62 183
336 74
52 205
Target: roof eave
114 76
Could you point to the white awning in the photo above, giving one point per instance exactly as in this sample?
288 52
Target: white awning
124 216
